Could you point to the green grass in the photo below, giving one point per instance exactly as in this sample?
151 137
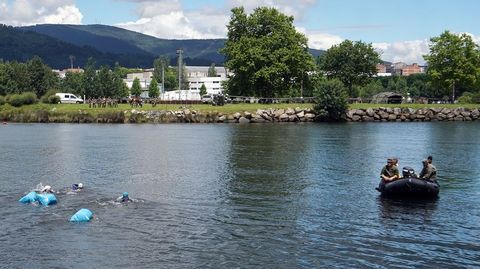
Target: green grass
74 108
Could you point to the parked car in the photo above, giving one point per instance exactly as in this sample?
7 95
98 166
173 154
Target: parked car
68 98
207 99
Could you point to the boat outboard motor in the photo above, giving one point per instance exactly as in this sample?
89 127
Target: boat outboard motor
408 171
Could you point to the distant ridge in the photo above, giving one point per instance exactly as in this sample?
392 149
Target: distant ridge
54 43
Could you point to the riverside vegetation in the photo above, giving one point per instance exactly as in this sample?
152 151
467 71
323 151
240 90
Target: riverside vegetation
232 113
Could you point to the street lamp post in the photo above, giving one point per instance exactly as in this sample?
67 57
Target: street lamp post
179 53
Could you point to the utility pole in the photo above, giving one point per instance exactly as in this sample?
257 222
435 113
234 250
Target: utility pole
72 58
163 78
179 53
453 92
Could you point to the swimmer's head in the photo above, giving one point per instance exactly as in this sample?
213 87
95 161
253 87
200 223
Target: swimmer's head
125 194
47 188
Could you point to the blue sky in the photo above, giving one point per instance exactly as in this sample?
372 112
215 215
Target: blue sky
399 29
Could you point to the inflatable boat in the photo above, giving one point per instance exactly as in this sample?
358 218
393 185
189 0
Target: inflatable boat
409 186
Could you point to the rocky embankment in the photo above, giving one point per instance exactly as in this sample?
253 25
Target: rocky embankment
188 115
410 114
191 116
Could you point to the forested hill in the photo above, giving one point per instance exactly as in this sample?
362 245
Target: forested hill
54 43
19 45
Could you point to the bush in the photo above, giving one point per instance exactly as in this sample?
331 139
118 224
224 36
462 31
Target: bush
17 100
53 99
465 99
476 98
2 100
47 97
331 100
29 98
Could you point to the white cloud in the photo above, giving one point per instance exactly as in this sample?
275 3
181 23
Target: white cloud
172 25
168 19
404 51
322 41
291 8
28 12
65 15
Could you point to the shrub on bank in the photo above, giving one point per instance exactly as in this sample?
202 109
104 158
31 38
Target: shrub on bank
50 97
17 100
330 100
29 98
2 100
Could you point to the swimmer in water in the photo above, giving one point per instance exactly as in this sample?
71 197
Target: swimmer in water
47 189
77 186
124 198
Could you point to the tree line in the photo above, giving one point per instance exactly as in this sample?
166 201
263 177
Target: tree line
34 76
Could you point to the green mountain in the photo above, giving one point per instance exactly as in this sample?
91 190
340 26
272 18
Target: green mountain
54 43
110 39
17 44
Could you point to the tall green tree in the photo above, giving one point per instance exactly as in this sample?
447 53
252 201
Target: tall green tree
398 84
265 52
169 73
453 63
73 83
352 62
203 89
121 89
212 72
153 91
105 83
89 75
14 78
136 89
41 77
369 90
160 64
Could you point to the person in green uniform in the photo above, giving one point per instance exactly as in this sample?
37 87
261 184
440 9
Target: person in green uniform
429 172
390 171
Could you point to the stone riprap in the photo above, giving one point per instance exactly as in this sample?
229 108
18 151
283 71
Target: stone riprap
188 115
307 115
411 114
192 116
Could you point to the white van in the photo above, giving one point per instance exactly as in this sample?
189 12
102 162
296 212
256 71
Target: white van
68 98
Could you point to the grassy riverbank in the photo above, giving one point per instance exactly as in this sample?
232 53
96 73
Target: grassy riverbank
123 113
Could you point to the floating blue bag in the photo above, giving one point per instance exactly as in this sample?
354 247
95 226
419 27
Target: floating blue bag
82 215
29 198
46 199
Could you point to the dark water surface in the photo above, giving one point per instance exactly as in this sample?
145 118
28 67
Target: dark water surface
238 196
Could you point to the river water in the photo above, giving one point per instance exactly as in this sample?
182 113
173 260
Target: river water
238 196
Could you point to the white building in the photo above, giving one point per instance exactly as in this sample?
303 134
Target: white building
145 79
198 76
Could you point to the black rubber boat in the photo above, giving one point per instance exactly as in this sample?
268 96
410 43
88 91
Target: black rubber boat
410 186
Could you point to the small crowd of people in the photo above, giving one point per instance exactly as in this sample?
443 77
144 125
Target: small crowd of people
390 171
76 187
102 102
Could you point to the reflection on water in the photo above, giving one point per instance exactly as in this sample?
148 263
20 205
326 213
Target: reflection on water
222 196
393 208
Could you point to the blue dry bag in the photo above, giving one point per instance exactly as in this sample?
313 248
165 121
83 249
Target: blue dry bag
46 199
82 215
29 198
